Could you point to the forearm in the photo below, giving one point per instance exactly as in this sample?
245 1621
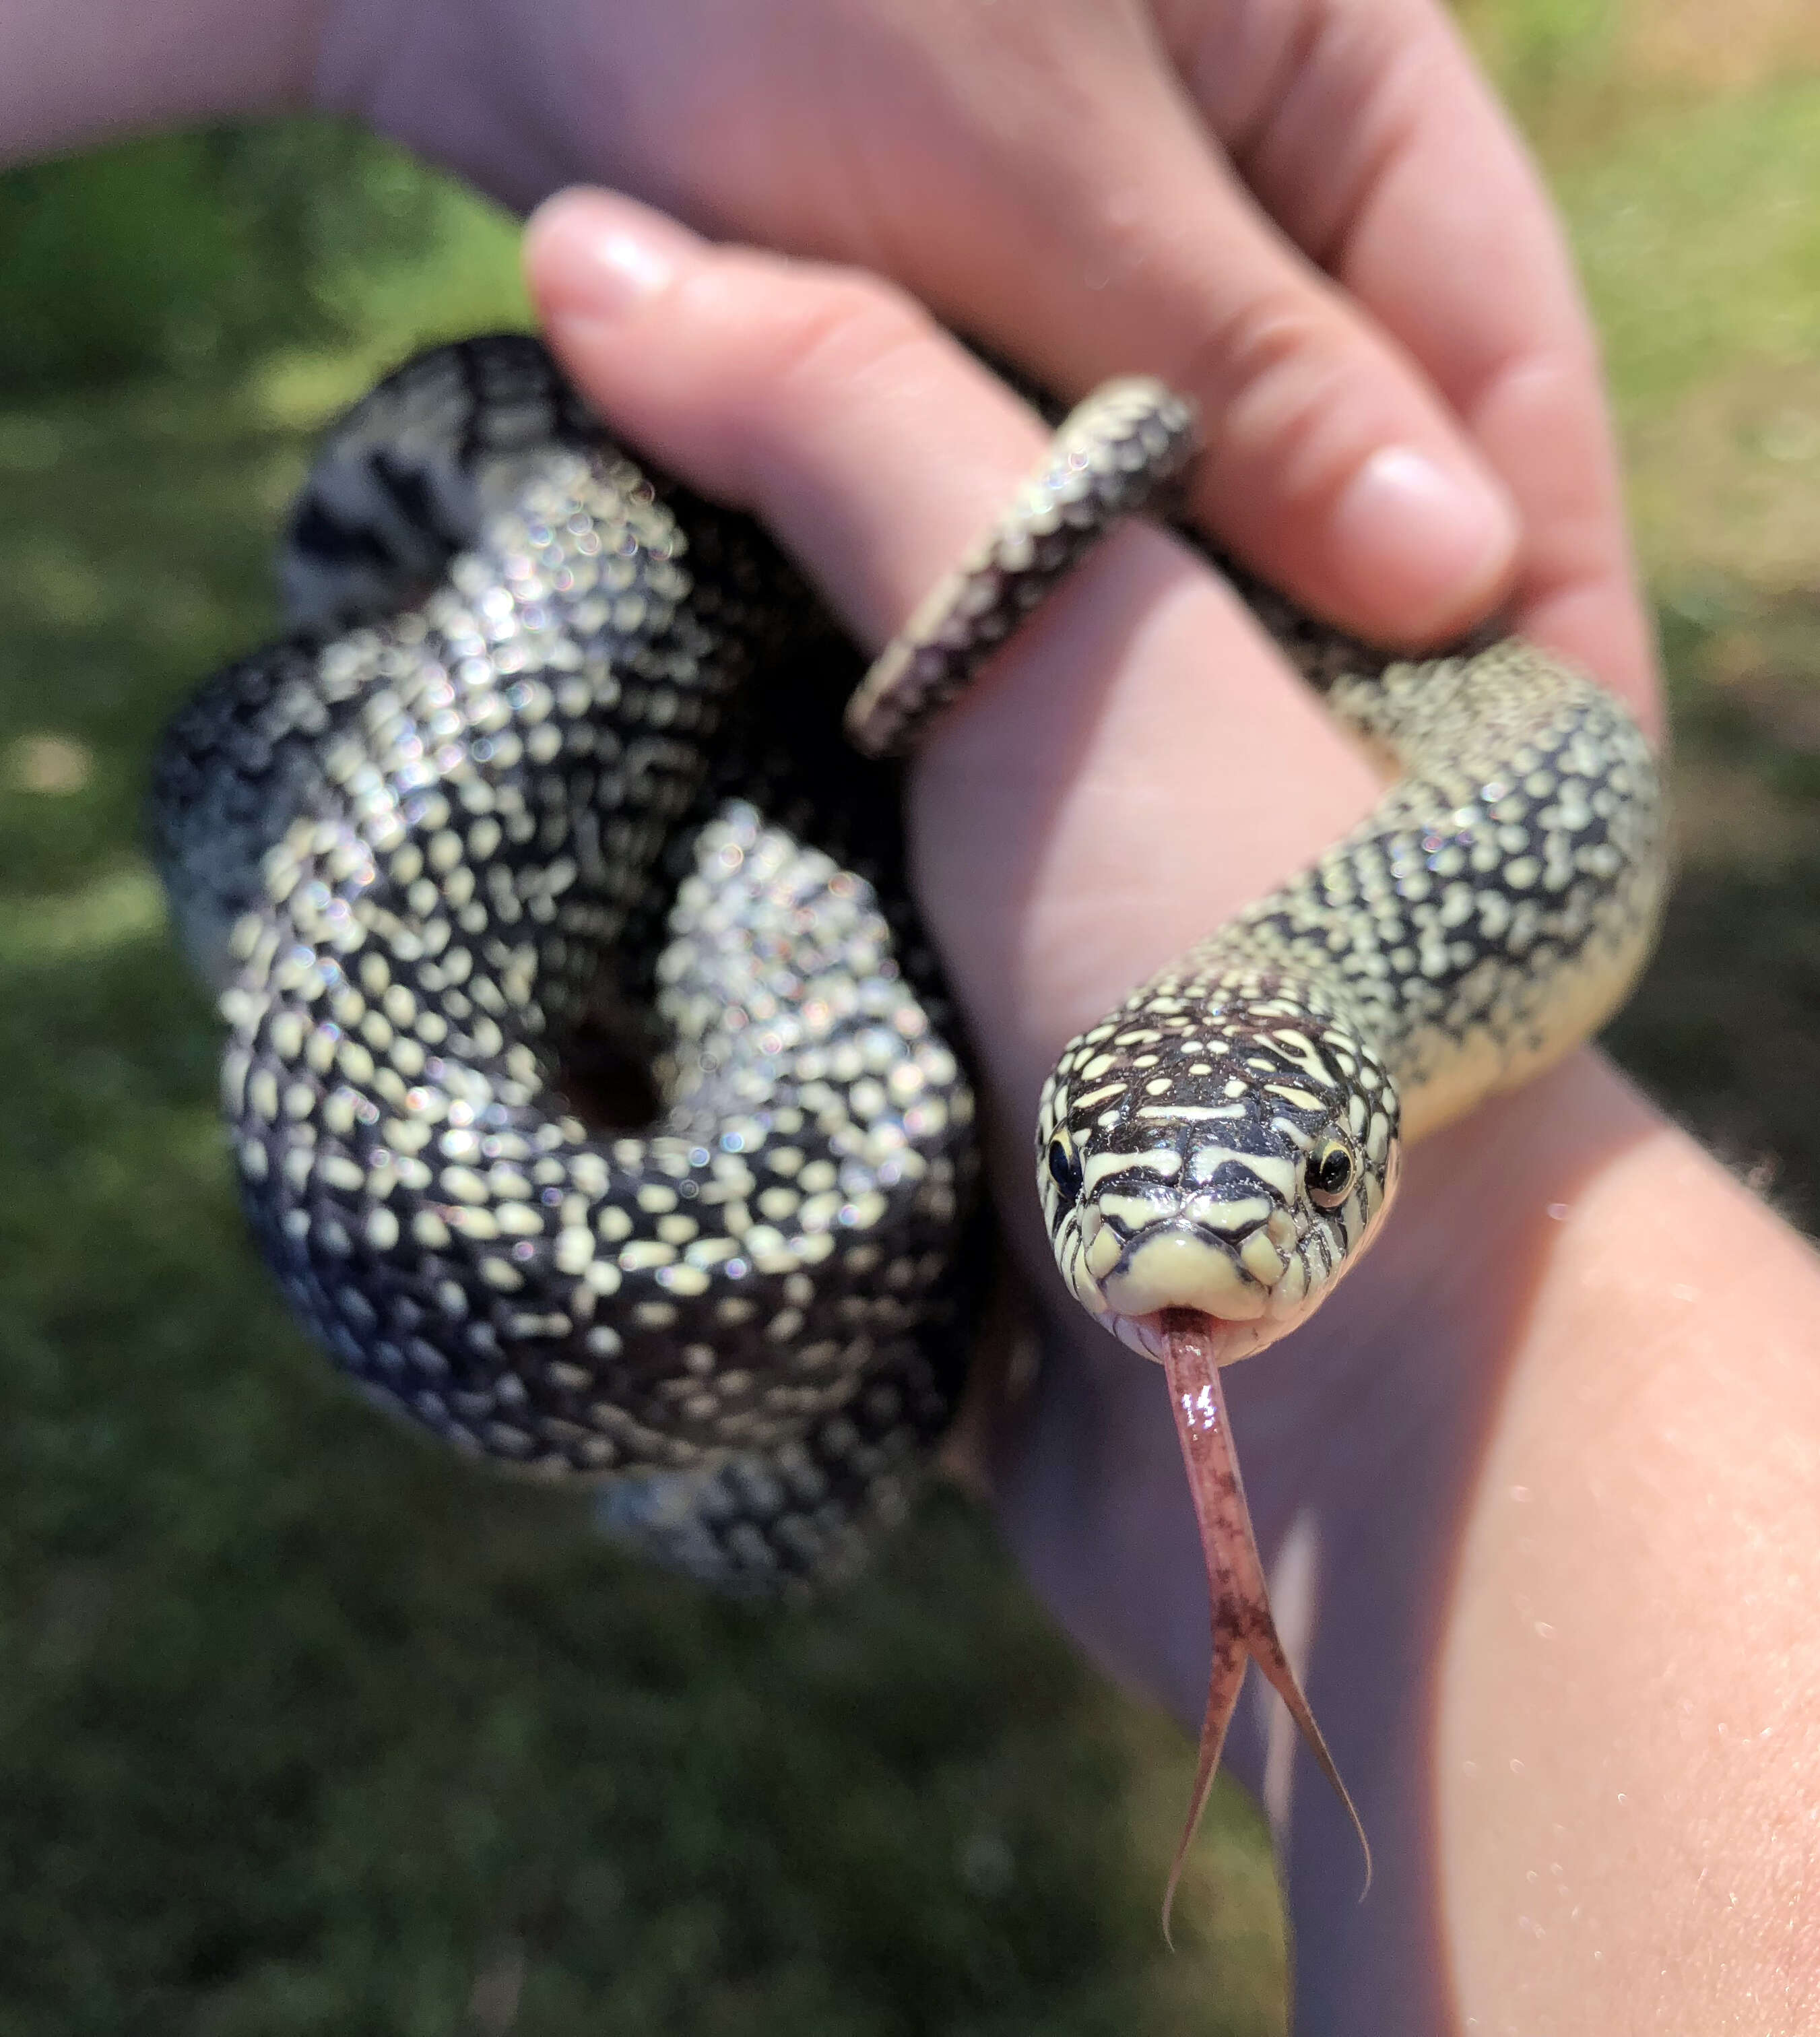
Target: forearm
73 71
1562 1485
1627 1754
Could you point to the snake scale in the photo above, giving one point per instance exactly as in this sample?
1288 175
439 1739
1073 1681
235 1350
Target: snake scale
552 755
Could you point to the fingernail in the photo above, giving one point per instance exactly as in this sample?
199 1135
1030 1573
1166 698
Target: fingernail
1425 548
599 258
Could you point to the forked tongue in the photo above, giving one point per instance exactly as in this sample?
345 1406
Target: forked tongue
1240 1603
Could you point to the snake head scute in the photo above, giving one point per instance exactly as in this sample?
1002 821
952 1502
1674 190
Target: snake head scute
1234 1157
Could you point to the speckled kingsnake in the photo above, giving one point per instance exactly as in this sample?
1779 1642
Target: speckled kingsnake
555 745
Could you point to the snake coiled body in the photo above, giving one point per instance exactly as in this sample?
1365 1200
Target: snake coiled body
590 769
557 745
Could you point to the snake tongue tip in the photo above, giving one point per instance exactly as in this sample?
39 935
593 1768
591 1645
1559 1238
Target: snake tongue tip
1244 1628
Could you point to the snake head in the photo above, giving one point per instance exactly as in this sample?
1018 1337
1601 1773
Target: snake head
1233 1160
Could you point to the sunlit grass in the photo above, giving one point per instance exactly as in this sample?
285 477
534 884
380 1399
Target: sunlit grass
123 906
1699 237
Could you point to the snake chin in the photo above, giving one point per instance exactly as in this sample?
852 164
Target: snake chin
1227 1342
1178 1265
1246 1292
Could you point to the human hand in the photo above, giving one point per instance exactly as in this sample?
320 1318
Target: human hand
1313 219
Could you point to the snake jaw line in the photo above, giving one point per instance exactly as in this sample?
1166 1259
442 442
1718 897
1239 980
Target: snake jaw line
1227 1342
1243 1627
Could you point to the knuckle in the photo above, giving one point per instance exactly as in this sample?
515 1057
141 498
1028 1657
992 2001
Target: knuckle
842 328
1277 377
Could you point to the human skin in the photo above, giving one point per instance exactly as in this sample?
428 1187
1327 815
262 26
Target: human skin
1555 1445
1310 214
1139 766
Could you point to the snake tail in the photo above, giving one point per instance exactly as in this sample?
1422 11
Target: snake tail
1116 454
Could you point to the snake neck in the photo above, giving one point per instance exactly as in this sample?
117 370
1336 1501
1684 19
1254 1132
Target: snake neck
1489 912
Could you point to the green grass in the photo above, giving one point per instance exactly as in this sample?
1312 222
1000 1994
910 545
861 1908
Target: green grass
302 1727
1701 240
188 256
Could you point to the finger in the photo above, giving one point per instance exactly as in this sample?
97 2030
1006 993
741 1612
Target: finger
1368 133
1138 714
1077 218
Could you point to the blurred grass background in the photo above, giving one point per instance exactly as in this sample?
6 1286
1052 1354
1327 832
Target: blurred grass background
302 1728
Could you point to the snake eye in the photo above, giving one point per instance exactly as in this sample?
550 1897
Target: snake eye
1331 1169
1065 1166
